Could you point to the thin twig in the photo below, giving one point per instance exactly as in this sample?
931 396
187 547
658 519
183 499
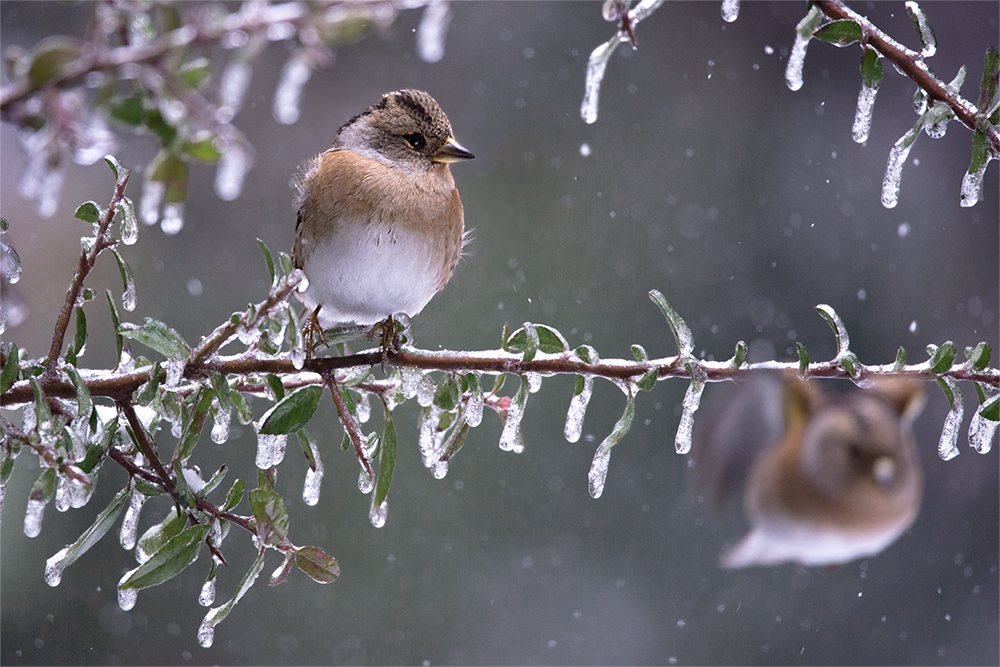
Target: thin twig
348 421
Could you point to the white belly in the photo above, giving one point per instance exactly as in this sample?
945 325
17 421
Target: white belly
365 274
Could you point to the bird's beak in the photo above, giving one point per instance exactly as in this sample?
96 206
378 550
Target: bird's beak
451 151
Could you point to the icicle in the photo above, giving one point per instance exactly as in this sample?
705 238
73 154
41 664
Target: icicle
510 437
948 445
129 225
150 200
430 417
410 380
439 469
364 406
972 185
474 408
220 428
234 164
70 493
863 115
365 483
270 450
981 432
432 30
577 410
928 43
425 391
206 634
595 74
534 382
54 567
797 57
894 168
310 490
692 399
730 10
33 519
288 94
232 88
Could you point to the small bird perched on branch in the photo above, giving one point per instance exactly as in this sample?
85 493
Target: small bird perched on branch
380 223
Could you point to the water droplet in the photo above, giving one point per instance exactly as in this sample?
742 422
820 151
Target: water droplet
365 482
378 514
431 31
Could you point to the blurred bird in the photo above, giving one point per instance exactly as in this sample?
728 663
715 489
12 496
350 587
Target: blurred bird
825 477
380 223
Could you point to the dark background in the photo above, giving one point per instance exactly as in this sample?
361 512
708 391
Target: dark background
746 204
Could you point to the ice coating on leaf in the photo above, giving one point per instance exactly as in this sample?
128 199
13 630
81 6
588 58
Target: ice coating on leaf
510 437
981 432
377 514
692 399
54 567
598 473
972 185
427 439
596 65
175 369
130 522
207 595
425 391
730 10
863 114
577 410
70 493
129 226
270 450
894 169
365 483
173 218
10 263
33 518
288 94
310 489
206 634
127 598
410 382
150 200
928 42
220 429
534 382
432 30
948 444
234 163
474 409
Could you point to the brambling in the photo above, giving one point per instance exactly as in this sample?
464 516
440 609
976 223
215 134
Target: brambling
380 224
826 478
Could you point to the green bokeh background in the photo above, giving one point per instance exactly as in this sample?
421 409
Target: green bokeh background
746 204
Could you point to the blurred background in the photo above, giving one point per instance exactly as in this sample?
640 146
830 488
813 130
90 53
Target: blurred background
704 177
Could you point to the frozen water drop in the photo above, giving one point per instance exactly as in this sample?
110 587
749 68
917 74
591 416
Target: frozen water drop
425 391
439 469
150 200
33 518
130 522
948 444
365 482
796 60
207 595
596 65
411 380
232 88
54 567
577 410
474 409
378 514
234 164
127 598
288 94
598 473
511 433
310 489
972 186
364 406
981 432
692 399
175 369
730 10
534 382
863 114
206 634
431 31
894 169
173 218
220 429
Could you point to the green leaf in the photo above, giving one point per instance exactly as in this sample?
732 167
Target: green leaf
218 614
618 432
203 150
128 282
158 336
120 172
948 392
42 411
115 323
447 394
44 487
127 110
942 358
66 556
871 68
386 460
648 380
193 423
314 562
84 404
276 386
980 151
8 376
682 334
162 129
170 560
79 344
243 410
89 212
234 496
581 383
839 330
979 356
214 481
900 359
145 394
195 72
222 392
639 354
803 358
841 33
988 84
587 354
453 443
740 355
169 169
271 515
293 412
51 58
526 340
991 409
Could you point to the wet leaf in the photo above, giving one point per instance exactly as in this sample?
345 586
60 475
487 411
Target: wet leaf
942 358
271 515
386 460
89 212
840 33
318 565
158 336
293 412
170 560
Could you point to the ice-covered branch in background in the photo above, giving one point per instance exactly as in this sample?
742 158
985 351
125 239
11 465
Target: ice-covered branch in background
432 30
628 19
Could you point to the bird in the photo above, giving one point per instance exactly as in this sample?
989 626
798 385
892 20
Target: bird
826 477
380 224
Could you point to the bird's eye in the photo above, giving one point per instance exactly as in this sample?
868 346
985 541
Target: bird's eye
416 140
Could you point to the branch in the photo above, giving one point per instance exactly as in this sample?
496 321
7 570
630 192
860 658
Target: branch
911 64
